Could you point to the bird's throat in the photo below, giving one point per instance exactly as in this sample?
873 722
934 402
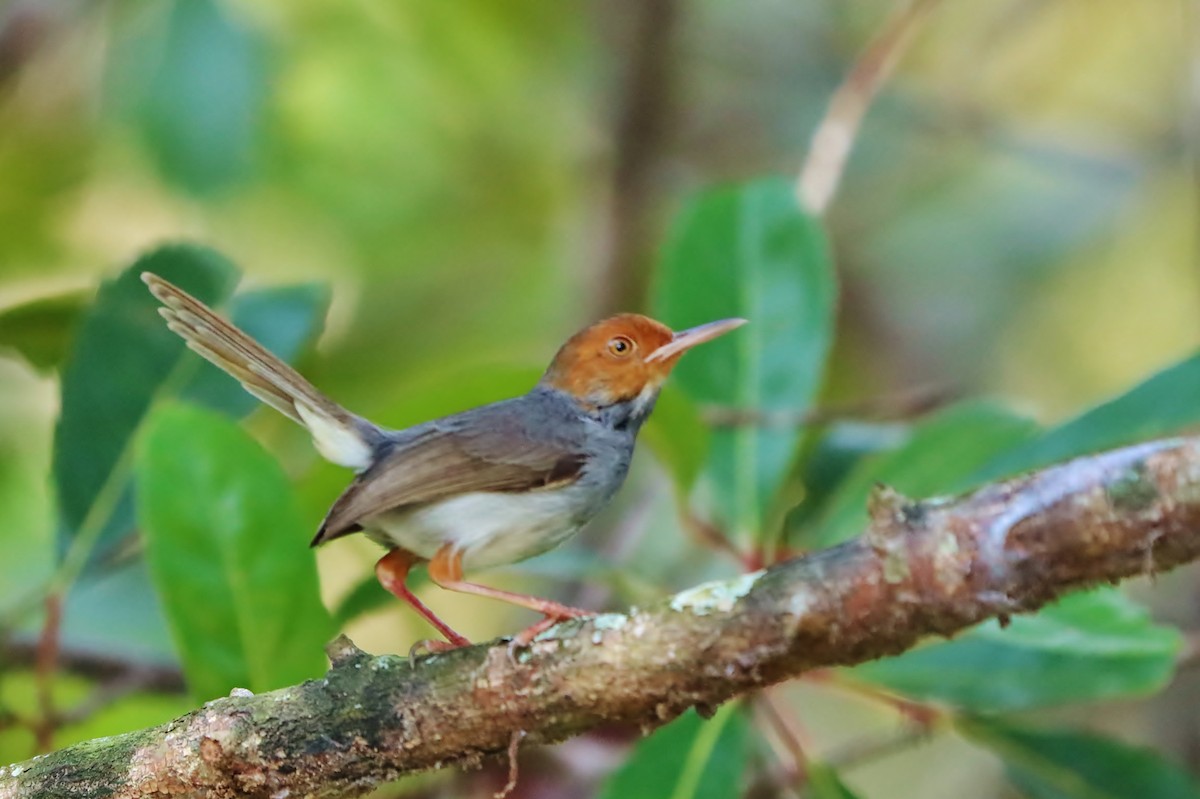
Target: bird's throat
629 413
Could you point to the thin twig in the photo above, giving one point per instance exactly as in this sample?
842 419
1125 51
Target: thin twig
921 714
1189 655
791 736
47 667
709 535
514 743
131 682
834 137
906 405
100 667
869 749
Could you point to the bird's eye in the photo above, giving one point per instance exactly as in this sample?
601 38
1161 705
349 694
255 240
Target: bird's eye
620 346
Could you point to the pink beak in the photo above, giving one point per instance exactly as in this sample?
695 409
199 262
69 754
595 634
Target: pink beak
686 339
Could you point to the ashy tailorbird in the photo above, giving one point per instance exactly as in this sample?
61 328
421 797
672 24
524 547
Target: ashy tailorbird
489 486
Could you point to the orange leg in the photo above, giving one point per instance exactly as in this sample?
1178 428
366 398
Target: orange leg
392 571
446 570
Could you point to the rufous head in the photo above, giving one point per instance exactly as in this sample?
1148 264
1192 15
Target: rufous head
624 358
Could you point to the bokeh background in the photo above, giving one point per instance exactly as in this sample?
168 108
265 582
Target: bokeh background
473 181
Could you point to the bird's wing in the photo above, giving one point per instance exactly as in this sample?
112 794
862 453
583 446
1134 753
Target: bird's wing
497 452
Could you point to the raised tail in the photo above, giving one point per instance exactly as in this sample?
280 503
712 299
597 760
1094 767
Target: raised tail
339 435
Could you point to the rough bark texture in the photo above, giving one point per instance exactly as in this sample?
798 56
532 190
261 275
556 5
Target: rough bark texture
931 567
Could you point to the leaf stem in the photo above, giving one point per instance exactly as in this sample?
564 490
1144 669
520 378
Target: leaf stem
794 739
834 136
47 665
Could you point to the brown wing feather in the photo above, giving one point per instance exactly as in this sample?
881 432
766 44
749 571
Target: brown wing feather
446 463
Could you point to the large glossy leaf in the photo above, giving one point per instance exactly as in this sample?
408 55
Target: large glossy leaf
122 357
228 553
938 457
199 79
690 758
749 251
678 437
1166 403
1091 646
1045 764
40 329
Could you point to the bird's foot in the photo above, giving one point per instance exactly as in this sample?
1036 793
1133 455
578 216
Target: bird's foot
436 646
554 614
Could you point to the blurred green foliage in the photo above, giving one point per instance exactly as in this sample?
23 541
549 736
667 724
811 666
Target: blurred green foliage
1047 764
1088 646
433 184
826 784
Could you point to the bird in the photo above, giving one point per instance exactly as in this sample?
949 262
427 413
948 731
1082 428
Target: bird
489 486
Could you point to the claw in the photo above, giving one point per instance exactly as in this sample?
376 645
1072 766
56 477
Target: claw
527 636
434 646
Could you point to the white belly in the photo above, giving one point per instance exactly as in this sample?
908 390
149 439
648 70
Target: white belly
491 529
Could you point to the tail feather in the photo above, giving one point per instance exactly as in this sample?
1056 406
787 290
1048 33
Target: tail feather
339 435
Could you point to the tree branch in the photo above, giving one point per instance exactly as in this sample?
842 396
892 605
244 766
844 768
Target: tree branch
921 568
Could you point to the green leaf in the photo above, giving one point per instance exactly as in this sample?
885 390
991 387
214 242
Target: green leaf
678 437
40 329
825 783
1045 764
1164 404
690 758
283 319
938 458
199 83
121 358
750 251
1086 647
227 550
